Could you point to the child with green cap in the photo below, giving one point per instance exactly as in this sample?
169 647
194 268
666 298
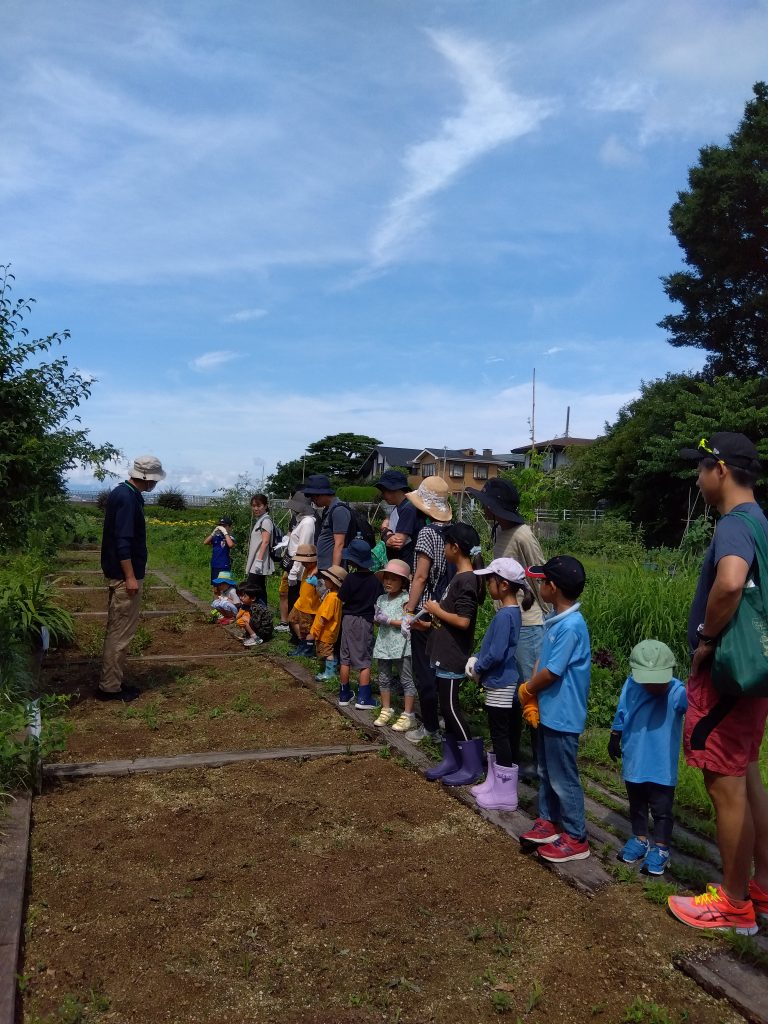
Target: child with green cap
646 734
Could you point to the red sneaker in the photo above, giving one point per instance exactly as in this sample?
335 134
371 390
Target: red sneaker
225 621
543 831
759 898
714 910
565 848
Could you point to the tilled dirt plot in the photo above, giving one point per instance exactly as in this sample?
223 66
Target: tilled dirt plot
346 889
90 577
83 600
187 632
234 705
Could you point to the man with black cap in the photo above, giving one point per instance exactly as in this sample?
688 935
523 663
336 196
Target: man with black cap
332 535
513 538
405 520
723 734
123 562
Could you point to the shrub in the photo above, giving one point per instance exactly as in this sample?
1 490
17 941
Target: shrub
102 498
353 492
172 498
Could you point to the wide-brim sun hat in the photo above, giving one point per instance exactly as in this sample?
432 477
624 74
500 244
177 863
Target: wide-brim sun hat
507 568
359 552
225 578
147 467
300 503
501 498
431 498
334 573
317 484
395 567
651 661
393 480
305 553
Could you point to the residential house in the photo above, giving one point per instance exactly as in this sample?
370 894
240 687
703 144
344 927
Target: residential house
555 451
383 457
460 467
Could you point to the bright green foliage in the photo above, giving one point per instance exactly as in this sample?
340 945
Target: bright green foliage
721 223
636 464
538 489
355 492
37 441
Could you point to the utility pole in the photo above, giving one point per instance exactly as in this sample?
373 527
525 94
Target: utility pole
533 411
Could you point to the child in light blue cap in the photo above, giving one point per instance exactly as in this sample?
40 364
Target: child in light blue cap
646 734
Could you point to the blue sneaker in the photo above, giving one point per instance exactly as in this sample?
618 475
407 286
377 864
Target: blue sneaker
365 700
656 860
634 850
346 695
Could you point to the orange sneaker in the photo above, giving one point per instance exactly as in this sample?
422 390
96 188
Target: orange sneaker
713 909
759 899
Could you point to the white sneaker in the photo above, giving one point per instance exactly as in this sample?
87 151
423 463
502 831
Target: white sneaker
405 722
417 735
282 627
252 641
385 717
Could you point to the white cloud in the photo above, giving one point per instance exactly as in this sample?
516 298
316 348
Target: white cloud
243 316
553 351
490 115
619 96
615 153
210 360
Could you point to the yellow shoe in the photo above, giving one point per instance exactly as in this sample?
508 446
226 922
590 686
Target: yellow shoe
385 717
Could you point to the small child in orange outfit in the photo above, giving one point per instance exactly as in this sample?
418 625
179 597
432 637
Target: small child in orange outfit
307 603
327 624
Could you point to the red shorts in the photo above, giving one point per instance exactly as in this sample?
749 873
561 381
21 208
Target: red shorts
734 742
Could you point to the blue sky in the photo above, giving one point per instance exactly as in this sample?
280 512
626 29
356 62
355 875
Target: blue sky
264 222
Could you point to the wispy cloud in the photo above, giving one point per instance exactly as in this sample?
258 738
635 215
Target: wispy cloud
210 360
243 316
490 115
553 351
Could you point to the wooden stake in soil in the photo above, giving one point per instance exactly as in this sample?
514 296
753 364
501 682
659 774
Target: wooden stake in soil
13 870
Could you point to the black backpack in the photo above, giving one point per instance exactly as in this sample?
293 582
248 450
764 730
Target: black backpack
358 526
277 537
261 621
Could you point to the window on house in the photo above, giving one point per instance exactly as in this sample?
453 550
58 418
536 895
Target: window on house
457 469
427 469
480 472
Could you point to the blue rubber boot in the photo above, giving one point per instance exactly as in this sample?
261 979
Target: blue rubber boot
451 760
330 671
471 764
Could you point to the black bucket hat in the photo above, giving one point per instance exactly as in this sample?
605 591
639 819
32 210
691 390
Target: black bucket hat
501 498
317 483
393 480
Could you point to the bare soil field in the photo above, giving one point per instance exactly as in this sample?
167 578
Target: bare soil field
96 600
235 705
341 890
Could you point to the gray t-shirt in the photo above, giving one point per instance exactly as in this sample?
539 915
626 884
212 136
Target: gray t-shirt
336 519
733 536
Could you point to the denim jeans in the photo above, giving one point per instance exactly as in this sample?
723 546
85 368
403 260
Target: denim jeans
561 798
528 650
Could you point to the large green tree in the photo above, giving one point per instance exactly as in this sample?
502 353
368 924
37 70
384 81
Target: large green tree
636 465
721 223
339 456
40 439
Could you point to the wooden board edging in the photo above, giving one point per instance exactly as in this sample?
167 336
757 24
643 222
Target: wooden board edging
14 848
745 987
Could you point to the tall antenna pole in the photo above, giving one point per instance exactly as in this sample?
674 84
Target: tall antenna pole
567 421
533 411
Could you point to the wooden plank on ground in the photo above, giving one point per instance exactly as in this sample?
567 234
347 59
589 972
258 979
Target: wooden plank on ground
142 614
14 844
206 759
186 594
139 659
744 986
587 876
103 589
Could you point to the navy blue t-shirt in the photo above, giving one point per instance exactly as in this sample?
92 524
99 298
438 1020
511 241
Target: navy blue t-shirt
358 594
407 519
221 559
125 532
733 536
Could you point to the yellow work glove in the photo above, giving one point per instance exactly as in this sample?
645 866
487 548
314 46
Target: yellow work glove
529 702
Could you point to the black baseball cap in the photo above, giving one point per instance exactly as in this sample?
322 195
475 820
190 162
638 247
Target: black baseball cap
565 571
730 448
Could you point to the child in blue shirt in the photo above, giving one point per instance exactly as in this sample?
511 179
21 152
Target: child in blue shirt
495 668
646 734
555 700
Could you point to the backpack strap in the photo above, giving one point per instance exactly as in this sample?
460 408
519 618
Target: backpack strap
711 720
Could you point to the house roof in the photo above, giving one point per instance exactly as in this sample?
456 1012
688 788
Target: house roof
394 456
460 455
558 444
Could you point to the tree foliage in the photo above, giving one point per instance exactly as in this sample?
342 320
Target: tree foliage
339 456
38 442
721 224
636 465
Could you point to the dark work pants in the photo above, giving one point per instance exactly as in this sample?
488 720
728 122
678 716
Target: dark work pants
645 796
424 677
501 723
451 708
259 583
293 594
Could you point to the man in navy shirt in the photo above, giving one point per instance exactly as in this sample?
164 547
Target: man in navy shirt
405 520
722 735
124 562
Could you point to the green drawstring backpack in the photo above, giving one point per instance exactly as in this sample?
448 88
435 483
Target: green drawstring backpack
740 666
